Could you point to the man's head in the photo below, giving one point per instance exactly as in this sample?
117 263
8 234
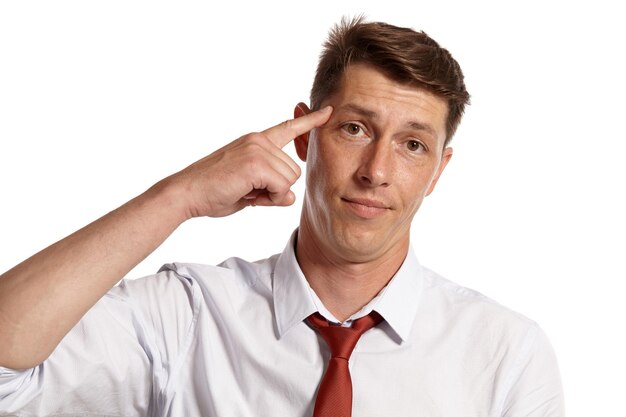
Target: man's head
402 54
397 98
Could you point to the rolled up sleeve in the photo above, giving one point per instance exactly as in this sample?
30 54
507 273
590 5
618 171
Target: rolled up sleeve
114 362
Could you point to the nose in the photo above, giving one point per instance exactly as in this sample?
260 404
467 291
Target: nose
376 165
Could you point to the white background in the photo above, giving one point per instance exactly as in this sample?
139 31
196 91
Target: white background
99 100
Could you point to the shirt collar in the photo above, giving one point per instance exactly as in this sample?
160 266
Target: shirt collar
399 300
295 300
292 300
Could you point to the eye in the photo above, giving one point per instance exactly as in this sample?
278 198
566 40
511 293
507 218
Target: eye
414 145
352 129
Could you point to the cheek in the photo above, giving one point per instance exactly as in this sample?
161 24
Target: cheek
326 163
414 190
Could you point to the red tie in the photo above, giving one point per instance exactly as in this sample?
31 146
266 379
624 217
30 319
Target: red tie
334 397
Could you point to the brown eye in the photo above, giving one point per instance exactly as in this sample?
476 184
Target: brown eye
413 145
352 129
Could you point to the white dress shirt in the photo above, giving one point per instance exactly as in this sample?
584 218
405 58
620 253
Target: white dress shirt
230 340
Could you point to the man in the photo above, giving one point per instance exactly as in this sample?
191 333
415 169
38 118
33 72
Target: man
255 338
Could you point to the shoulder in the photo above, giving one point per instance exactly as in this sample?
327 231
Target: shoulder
231 272
483 337
177 283
480 327
478 312
179 291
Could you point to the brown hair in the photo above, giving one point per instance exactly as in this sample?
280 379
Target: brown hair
404 55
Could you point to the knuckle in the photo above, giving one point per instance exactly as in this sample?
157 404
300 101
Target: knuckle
293 177
256 138
282 187
289 125
254 147
254 161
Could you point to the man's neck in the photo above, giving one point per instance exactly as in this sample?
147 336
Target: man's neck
343 286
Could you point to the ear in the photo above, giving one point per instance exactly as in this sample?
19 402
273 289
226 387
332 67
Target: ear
445 158
301 142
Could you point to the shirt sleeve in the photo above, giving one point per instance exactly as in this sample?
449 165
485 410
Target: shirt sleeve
535 387
117 361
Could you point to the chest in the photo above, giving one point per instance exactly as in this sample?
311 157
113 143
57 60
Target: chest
249 371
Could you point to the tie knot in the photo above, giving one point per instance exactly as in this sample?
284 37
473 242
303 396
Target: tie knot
342 340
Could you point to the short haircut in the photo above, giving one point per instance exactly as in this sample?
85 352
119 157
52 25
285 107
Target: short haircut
402 54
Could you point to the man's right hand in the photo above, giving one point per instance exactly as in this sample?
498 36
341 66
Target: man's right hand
42 298
252 170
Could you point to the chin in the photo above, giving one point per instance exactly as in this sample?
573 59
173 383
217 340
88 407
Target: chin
361 247
362 244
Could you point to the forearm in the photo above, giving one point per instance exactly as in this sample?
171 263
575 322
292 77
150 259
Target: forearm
42 298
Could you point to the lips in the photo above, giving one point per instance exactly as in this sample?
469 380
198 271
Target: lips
366 208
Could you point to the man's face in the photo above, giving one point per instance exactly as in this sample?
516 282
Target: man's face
370 166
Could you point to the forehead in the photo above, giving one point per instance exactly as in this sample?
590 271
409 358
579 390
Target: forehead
365 87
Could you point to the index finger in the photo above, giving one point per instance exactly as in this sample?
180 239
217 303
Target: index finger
283 133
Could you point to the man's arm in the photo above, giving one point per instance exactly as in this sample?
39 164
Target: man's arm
42 298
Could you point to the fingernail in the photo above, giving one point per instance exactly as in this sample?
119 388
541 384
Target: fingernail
327 109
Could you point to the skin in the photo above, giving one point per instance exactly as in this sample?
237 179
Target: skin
368 170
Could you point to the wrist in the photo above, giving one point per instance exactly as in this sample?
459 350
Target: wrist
170 199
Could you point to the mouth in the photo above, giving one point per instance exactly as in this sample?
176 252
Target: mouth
366 208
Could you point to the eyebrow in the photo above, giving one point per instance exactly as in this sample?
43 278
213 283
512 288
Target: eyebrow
362 111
